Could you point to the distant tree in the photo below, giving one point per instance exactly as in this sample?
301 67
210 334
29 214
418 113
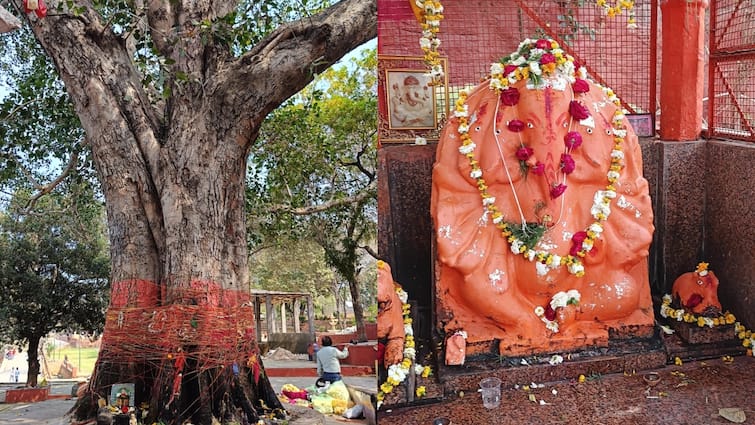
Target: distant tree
292 266
54 271
315 177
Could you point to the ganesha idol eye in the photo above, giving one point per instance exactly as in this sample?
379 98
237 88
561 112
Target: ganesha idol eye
477 128
497 131
589 130
530 125
609 131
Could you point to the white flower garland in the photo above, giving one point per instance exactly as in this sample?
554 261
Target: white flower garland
398 372
726 318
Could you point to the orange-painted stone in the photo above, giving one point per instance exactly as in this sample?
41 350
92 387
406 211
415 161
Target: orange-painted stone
287 372
390 318
698 294
682 69
481 286
27 395
361 355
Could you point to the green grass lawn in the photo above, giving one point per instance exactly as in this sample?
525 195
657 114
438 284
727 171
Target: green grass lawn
85 363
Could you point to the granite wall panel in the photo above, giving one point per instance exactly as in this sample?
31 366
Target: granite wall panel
729 219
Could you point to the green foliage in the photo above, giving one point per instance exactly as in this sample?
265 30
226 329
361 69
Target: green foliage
318 147
318 150
293 266
39 129
53 268
529 233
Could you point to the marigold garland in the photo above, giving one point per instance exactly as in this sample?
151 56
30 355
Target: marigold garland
726 318
430 15
397 373
526 64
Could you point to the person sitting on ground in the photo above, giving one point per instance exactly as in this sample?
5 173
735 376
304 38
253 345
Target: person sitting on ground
328 366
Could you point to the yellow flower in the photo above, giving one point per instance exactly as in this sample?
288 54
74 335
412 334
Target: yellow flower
701 267
420 391
380 264
581 379
700 322
427 371
677 361
386 388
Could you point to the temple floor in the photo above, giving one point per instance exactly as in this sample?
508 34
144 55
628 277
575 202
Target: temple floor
689 394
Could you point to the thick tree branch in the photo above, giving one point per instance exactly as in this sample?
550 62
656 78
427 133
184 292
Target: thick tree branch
288 59
312 209
160 16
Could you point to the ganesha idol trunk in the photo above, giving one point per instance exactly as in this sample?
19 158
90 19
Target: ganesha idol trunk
542 223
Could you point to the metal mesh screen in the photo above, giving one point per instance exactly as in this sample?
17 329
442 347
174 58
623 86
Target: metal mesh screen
731 93
476 33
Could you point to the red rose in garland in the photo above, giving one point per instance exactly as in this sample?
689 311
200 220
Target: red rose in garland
510 96
578 110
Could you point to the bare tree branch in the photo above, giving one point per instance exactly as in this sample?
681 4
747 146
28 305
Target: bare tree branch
18 108
312 209
358 163
294 54
44 190
368 249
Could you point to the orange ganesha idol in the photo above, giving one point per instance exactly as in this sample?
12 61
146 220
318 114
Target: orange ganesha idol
542 216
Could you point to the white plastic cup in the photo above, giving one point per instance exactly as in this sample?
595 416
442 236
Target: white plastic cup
491 392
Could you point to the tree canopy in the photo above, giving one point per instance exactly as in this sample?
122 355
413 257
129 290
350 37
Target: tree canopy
54 270
315 178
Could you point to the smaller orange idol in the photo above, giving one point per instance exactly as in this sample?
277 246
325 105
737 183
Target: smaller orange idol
697 291
390 317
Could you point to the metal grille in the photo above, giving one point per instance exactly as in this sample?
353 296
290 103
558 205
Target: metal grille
731 93
476 33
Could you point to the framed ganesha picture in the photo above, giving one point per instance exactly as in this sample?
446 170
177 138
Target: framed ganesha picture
409 105
410 99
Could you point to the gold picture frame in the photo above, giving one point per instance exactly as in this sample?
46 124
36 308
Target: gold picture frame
409 107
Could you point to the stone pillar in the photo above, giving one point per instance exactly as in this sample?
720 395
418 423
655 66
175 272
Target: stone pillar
269 316
297 311
284 328
682 68
258 318
311 316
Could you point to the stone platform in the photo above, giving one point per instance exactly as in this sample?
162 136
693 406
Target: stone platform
690 394
620 356
676 347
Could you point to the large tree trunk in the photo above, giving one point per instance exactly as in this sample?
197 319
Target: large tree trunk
180 321
358 311
33 361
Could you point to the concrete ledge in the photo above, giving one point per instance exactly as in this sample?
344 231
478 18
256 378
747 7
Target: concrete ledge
27 395
301 371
